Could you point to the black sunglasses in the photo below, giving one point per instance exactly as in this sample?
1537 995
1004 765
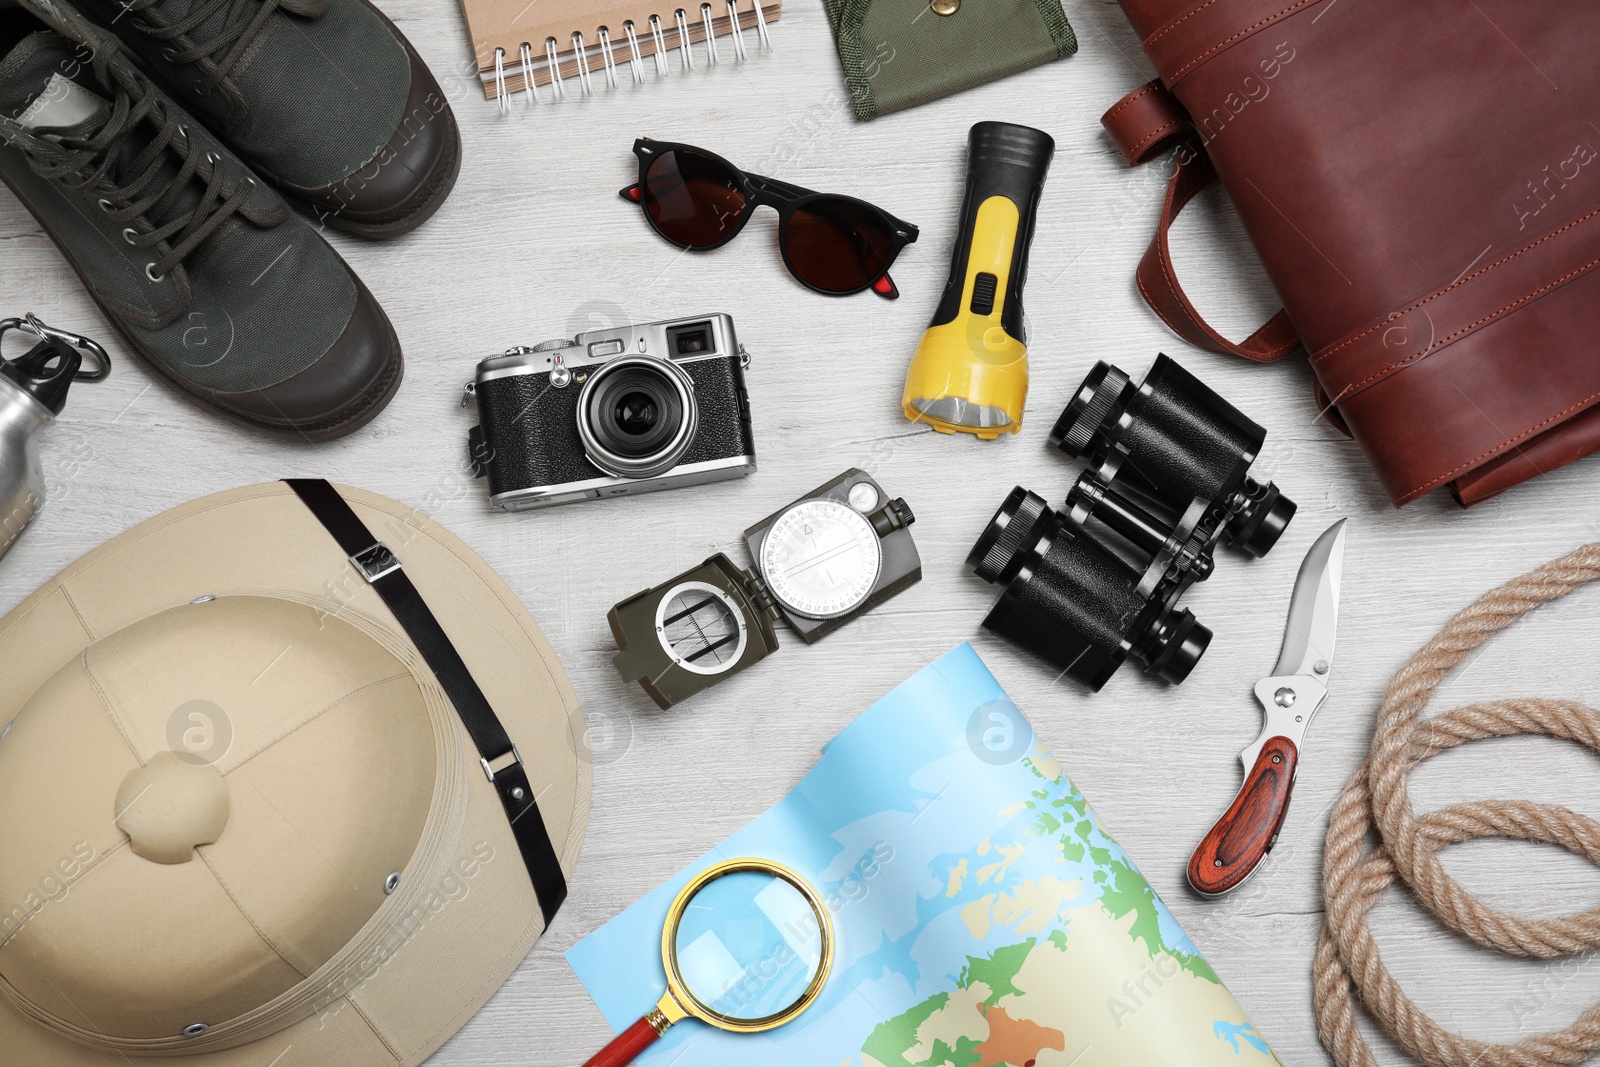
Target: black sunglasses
836 245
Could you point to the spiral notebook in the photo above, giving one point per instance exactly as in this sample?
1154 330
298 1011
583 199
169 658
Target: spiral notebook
548 49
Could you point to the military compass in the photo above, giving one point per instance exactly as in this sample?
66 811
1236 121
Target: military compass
819 562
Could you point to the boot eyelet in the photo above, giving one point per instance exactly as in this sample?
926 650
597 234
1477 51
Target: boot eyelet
129 234
150 272
106 205
213 159
169 55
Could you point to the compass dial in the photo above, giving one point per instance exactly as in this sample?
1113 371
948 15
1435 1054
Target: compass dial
821 558
701 628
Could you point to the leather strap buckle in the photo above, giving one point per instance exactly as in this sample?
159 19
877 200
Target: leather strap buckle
500 763
376 561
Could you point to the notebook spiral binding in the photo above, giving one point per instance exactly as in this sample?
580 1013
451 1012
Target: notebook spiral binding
528 68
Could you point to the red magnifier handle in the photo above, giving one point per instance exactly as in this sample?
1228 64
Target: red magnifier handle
627 1046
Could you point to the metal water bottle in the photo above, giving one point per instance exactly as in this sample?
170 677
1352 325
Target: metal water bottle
33 390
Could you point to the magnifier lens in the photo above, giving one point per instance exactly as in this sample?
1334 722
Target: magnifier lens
748 946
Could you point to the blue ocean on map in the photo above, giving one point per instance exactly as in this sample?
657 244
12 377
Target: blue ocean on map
981 916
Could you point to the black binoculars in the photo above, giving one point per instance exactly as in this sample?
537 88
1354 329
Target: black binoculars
1169 474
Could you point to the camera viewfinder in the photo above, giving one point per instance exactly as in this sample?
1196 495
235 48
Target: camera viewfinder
691 340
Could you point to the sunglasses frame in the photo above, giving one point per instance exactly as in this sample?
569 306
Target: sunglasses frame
786 199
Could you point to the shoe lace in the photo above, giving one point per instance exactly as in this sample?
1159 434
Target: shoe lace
133 189
243 25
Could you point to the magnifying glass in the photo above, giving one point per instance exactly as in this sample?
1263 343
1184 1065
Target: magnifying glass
747 947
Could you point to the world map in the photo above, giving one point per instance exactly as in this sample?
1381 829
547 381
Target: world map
983 917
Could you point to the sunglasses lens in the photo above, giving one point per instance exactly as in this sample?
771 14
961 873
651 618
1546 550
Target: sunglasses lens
694 200
838 245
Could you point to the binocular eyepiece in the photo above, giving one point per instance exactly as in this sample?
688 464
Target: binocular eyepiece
1169 475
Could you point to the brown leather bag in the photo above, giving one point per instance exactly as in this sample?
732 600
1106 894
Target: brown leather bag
1422 183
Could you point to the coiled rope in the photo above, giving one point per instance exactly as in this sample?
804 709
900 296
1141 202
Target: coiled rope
1348 965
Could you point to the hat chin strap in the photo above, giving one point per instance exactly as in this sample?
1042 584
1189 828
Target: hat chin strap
500 759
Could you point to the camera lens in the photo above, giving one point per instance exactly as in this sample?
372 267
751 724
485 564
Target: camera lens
634 412
636 416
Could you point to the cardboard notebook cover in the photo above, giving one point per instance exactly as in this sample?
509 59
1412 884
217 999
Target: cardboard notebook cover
504 26
1422 184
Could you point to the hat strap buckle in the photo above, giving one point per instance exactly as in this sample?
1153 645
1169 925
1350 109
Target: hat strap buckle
376 561
501 763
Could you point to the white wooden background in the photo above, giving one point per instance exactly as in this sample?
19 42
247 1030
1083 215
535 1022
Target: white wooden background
535 244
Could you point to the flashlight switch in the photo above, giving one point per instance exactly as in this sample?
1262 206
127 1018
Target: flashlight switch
983 289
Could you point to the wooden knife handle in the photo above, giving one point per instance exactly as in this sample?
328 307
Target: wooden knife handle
1246 833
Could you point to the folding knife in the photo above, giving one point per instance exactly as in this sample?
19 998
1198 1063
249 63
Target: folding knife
1290 695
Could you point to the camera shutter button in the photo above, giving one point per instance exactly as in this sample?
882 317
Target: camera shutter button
560 375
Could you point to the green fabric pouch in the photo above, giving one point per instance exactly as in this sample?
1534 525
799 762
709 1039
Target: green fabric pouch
901 53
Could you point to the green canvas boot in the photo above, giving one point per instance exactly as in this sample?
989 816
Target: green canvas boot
324 98
203 268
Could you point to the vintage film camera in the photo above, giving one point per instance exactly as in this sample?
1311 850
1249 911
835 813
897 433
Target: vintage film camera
613 413
837 552
1169 475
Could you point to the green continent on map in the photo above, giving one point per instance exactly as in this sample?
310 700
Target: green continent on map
968 1028
1080 974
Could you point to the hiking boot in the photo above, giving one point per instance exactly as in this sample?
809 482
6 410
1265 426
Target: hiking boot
324 98
203 268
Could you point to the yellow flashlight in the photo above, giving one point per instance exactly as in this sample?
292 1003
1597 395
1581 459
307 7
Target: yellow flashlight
970 373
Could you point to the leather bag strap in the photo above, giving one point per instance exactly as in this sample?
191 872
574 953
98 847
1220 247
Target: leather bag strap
1147 122
1158 282
500 759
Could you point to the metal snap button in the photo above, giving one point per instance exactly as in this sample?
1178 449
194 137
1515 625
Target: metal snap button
945 7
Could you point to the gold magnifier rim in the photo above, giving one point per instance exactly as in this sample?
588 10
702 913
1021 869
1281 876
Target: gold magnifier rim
677 988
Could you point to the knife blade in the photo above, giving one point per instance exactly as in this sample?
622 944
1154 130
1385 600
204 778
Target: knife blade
1233 849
